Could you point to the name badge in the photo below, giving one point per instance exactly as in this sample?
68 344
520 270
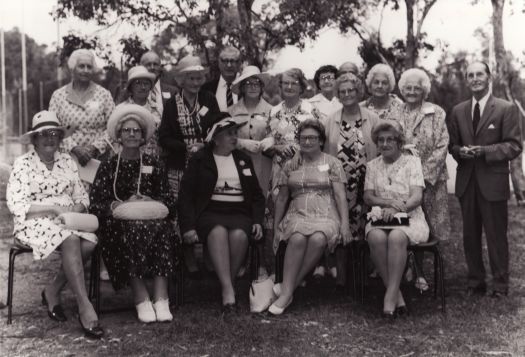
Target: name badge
323 168
203 111
166 95
147 169
247 172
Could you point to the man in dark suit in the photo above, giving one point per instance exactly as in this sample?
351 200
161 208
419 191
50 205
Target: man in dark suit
229 66
484 137
161 91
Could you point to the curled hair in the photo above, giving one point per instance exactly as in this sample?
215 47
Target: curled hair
349 78
77 54
381 68
321 70
391 126
421 77
296 74
315 125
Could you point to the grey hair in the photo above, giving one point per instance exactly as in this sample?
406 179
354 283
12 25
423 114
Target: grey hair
77 54
391 126
349 78
381 68
420 75
231 51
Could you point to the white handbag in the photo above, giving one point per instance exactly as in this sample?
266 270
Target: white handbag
261 294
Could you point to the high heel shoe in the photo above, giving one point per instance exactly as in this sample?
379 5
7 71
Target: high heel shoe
389 315
402 311
56 313
276 310
95 332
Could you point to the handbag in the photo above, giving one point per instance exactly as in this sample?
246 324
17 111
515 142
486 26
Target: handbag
261 294
83 222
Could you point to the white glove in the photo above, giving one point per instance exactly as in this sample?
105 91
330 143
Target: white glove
252 146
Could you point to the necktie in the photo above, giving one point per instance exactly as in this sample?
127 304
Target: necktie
476 117
229 95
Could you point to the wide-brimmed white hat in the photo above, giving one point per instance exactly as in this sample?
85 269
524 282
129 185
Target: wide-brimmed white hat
125 111
140 72
45 120
247 72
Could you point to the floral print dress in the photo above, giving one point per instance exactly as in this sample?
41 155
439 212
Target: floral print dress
31 182
391 112
133 248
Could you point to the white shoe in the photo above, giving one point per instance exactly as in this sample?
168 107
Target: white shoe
277 289
145 312
276 310
319 272
162 310
104 275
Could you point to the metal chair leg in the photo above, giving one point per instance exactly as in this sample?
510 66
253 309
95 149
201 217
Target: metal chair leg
10 283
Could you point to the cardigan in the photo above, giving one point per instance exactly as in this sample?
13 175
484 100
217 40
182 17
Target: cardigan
199 181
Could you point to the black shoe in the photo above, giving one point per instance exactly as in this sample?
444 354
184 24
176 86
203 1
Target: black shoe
95 332
401 311
230 308
499 294
389 315
56 313
476 291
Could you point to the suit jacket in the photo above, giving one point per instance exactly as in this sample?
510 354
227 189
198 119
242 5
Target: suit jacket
166 88
499 133
199 181
211 86
333 126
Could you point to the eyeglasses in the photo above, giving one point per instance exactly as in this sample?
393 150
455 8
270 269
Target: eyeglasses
229 61
254 83
388 140
49 134
290 83
345 92
326 77
309 138
141 83
130 131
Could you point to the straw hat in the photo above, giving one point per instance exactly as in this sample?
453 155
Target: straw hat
247 72
140 72
190 63
125 111
225 122
42 121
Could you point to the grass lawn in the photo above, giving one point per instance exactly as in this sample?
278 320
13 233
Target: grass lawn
320 322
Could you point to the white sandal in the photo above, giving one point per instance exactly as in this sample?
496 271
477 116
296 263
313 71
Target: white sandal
145 312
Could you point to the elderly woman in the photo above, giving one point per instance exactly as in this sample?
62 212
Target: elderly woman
43 185
380 82
84 106
249 86
138 88
425 128
326 101
142 244
393 186
186 118
349 138
221 203
317 215
284 121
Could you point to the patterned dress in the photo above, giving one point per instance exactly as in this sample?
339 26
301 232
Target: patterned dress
133 248
393 181
352 155
88 117
391 112
425 128
283 128
31 182
312 207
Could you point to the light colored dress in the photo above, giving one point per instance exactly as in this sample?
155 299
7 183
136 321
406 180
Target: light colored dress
32 183
257 129
326 107
89 118
313 206
393 181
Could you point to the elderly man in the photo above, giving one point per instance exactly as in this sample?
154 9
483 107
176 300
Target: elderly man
229 67
484 136
161 91
348 67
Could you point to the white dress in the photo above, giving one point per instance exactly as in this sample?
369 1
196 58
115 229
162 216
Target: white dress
32 183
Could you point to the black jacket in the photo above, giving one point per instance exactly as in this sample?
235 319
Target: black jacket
199 181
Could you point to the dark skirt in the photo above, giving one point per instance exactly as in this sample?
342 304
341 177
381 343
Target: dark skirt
230 215
137 249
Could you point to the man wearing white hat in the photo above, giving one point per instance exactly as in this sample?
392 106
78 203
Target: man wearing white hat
229 66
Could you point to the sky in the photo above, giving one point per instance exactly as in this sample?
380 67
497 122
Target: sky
450 22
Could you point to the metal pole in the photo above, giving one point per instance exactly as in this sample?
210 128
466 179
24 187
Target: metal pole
24 68
4 97
59 68
41 93
20 114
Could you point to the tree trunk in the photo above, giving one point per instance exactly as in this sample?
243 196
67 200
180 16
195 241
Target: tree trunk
411 45
501 72
250 46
